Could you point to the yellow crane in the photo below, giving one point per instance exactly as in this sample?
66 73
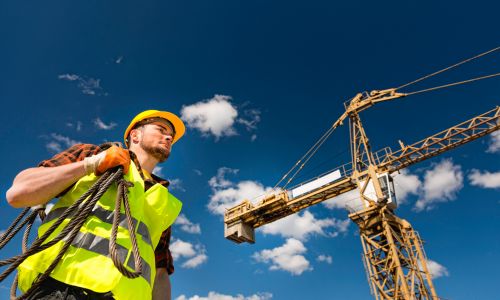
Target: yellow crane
394 258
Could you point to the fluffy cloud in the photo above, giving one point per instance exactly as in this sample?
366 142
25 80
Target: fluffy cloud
226 193
101 125
406 184
196 254
494 145
436 269
485 180
218 116
250 120
350 200
88 85
176 185
441 184
158 171
325 258
302 226
187 225
288 257
180 248
214 116
195 261
58 142
217 296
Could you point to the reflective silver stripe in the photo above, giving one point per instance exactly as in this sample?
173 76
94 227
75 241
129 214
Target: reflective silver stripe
94 243
107 217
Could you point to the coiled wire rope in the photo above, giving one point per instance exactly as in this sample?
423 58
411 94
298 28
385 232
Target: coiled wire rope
80 210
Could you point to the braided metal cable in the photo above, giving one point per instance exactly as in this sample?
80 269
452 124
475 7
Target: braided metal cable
73 228
31 220
122 195
12 230
78 212
37 244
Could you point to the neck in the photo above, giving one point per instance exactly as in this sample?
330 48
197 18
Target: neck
146 161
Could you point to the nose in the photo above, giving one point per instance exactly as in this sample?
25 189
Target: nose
169 137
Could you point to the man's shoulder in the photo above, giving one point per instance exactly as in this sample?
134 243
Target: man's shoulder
75 153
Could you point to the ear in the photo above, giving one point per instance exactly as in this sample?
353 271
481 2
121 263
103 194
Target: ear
135 136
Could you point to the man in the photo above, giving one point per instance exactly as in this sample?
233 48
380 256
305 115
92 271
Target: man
86 271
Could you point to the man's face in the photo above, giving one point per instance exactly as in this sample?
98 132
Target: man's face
156 140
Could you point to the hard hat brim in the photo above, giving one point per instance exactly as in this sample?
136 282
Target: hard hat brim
179 126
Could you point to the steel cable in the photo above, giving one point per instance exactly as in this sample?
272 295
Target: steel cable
79 211
449 68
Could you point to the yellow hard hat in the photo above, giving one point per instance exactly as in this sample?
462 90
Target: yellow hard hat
179 127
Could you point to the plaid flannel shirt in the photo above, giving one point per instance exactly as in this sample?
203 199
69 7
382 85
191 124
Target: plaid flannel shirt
78 153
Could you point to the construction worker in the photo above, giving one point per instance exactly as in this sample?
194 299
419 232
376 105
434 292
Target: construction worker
86 270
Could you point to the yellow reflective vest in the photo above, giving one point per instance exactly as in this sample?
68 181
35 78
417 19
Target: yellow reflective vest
87 262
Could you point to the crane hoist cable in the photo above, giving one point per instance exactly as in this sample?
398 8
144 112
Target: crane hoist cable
449 68
299 165
79 211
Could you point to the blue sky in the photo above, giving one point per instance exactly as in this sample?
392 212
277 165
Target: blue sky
258 82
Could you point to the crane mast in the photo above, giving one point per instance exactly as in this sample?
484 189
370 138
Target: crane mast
393 254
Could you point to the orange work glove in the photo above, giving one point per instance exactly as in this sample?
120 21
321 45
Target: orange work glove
113 157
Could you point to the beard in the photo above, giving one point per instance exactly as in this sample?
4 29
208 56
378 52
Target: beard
159 153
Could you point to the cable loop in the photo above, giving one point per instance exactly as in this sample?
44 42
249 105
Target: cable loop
78 213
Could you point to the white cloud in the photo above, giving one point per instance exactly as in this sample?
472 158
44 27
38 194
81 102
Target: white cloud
101 125
406 184
251 119
119 60
198 172
176 185
253 138
485 180
302 226
180 248
196 254
158 171
88 85
441 184
325 258
494 145
214 116
195 261
288 257
58 142
217 296
226 194
69 77
187 225
436 270
350 200
53 147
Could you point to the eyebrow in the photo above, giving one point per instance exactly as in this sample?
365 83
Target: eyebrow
165 128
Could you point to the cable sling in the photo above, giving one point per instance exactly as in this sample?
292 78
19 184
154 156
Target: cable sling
80 210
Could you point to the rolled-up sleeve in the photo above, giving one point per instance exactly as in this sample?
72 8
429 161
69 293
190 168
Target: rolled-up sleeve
162 253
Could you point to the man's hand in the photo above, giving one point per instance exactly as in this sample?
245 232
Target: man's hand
113 157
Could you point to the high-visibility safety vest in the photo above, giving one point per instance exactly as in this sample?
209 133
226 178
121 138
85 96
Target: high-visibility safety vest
87 262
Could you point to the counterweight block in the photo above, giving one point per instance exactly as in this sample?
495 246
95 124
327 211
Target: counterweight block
239 232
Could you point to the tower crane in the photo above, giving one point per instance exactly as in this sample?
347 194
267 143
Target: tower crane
393 254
